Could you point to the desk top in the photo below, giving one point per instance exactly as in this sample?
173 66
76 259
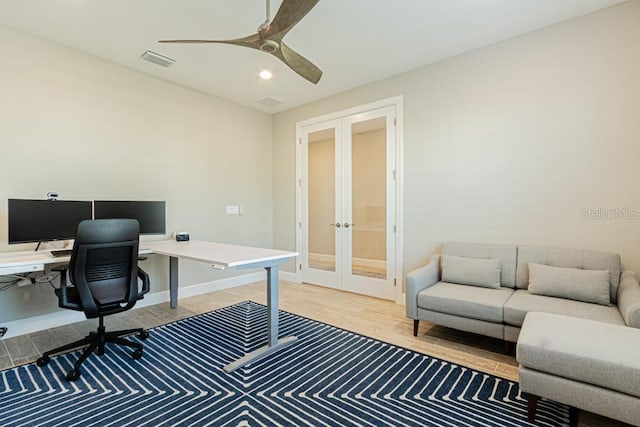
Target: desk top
30 257
219 255
41 257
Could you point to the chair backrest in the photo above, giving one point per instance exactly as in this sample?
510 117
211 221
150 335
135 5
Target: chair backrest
104 265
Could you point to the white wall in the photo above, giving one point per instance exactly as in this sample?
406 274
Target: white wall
90 129
509 143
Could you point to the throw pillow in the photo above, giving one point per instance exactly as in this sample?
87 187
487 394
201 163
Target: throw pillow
471 271
572 283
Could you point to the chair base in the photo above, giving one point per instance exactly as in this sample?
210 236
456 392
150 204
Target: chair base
96 341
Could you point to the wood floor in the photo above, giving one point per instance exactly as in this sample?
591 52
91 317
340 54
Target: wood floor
369 316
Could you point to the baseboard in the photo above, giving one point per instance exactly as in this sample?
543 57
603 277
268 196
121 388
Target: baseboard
288 276
65 317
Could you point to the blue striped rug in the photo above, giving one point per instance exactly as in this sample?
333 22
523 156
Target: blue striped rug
329 377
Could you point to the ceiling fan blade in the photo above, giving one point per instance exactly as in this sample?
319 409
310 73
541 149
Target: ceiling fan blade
290 13
298 63
269 39
252 41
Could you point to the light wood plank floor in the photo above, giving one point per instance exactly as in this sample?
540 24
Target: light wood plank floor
380 319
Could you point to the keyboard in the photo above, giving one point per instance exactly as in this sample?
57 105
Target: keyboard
62 252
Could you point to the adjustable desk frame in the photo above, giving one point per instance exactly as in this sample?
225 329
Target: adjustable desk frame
219 256
222 256
273 343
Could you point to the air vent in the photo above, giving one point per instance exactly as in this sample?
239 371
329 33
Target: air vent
270 101
158 59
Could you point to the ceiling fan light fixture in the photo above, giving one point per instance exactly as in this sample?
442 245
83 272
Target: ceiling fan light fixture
265 75
157 59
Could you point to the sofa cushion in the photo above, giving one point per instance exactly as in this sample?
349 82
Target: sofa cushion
466 301
583 350
523 302
505 253
572 283
629 299
471 271
571 258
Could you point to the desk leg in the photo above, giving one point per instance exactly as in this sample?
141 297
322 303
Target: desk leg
173 281
273 343
272 305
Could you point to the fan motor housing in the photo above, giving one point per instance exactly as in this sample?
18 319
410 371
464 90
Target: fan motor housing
269 46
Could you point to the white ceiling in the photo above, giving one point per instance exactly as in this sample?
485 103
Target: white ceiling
354 42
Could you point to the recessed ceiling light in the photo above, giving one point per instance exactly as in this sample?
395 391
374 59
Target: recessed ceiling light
265 75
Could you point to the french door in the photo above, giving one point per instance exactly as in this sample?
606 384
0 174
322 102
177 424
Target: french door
348 202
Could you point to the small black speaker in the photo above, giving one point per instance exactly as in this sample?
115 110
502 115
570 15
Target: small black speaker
182 236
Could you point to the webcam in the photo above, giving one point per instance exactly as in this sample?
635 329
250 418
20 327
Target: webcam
52 195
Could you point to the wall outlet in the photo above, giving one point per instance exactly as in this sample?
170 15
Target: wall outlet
232 210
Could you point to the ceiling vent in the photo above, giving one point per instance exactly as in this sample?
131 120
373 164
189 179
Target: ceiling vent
270 101
158 59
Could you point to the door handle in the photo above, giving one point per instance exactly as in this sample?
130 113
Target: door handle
347 225
336 225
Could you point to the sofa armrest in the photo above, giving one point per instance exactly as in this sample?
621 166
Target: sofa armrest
420 279
629 299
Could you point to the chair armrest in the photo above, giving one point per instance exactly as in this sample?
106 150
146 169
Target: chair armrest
418 280
142 275
629 299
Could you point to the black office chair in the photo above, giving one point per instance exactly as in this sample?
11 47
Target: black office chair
104 273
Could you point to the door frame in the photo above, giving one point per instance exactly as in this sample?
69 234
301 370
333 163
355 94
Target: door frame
397 102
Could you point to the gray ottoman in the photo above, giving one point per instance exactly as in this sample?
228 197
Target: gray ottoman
581 363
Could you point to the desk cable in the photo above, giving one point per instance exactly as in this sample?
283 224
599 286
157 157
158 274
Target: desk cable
16 279
6 284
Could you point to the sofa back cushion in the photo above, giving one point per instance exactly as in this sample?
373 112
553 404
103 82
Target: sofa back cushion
570 258
471 271
572 283
505 253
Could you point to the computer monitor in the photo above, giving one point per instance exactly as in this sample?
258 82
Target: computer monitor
45 220
150 215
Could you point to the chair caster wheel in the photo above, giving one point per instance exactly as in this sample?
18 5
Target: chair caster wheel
43 361
137 354
73 375
144 335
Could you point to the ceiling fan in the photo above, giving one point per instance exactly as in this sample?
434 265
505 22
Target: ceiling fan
270 34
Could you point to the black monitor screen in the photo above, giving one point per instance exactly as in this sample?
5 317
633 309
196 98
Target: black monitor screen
150 215
44 220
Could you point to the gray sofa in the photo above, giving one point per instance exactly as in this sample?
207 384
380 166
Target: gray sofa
485 288
582 363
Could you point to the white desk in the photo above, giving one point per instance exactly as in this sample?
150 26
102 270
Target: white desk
30 261
220 256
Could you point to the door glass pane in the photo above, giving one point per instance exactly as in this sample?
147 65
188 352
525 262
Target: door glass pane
322 199
369 198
